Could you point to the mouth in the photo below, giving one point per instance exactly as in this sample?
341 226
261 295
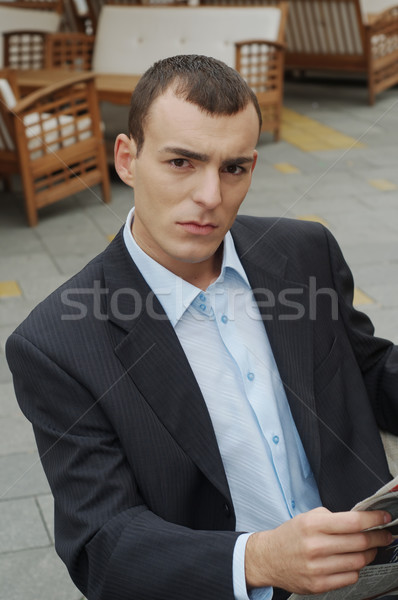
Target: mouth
198 228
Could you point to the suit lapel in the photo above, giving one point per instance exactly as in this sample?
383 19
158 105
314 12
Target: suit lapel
149 350
289 329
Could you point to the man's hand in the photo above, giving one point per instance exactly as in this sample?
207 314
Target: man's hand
316 551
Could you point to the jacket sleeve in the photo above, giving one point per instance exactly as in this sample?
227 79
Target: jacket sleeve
115 548
376 357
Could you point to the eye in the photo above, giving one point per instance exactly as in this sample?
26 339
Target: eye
179 163
234 169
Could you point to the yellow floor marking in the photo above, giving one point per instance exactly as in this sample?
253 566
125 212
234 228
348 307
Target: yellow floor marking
310 135
361 298
9 289
314 218
286 168
383 184
110 237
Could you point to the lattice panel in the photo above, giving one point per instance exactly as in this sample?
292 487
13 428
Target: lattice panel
70 51
24 49
259 66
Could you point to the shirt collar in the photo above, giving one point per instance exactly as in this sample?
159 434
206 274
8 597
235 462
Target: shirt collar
175 294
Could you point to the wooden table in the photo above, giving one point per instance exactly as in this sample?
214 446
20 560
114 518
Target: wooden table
111 87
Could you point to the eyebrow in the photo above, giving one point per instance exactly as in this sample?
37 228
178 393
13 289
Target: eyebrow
184 152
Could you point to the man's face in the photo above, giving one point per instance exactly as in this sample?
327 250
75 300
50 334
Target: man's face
189 180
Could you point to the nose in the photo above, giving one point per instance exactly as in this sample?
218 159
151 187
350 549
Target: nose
208 190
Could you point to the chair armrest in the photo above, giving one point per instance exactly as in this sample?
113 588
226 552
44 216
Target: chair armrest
36 96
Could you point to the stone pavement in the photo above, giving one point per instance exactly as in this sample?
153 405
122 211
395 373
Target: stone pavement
320 173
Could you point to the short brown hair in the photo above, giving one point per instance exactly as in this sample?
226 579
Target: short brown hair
207 82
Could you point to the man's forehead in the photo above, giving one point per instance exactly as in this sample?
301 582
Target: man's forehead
172 110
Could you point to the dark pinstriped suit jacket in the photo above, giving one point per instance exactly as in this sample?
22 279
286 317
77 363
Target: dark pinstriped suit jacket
142 505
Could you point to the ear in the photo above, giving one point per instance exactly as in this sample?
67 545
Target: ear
255 155
125 153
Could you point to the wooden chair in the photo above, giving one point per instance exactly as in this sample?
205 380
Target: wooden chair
53 138
334 35
24 49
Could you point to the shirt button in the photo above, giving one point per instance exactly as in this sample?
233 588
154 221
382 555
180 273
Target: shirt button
293 504
250 376
275 439
202 297
202 307
224 319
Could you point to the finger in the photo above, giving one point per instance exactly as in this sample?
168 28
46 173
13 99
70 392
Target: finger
358 542
353 521
346 563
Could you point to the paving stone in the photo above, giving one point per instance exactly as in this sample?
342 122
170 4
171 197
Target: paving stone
14 310
370 253
16 435
36 289
19 240
8 403
46 506
21 475
21 525
35 575
385 294
366 275
26 264
5 374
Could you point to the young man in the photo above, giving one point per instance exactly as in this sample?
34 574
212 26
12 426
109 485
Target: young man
192 452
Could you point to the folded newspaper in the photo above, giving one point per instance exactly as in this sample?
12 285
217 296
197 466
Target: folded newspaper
380 578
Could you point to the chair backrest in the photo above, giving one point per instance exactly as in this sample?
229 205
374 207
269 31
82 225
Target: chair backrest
24 49
21 19
73 51
325 27
130 38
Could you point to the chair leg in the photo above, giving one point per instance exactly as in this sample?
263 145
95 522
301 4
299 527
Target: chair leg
30 209
106 188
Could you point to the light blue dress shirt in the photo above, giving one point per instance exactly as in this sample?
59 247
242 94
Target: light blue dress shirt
224 339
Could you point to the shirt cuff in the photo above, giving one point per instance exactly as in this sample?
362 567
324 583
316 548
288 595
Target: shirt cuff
238 574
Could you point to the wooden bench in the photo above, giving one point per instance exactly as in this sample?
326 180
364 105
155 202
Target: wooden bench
336 35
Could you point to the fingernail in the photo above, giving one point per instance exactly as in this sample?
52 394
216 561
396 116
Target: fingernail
387 517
